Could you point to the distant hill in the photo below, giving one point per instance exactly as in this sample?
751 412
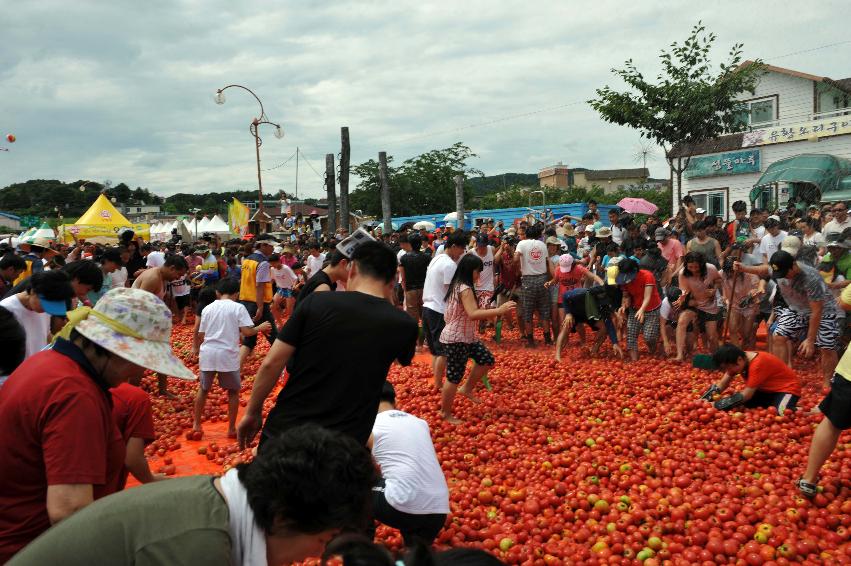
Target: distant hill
495 183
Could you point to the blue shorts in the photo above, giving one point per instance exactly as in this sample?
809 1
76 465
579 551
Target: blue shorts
285 293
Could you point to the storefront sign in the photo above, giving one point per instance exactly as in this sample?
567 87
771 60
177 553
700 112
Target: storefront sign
799 132
733 163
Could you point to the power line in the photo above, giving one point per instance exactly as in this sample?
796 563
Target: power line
321 177
279 165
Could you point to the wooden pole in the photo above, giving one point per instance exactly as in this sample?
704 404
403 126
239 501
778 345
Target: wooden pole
385 191
345 153
459 199
330 187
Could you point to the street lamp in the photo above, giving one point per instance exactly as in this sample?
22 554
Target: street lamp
253 129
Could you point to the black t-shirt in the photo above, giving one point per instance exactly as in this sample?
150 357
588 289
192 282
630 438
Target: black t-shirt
318 278
137 261
344 346
415 265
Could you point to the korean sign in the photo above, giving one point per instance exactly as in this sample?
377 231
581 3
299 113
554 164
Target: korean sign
733 163
798 132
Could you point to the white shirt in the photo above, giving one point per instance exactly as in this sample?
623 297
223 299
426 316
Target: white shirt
759 231
835 227
770 244
119 278
180 287
399 262
314 264
438 277
617 234
817 239
36 325
413 480
486 276
220 323
533 257
285 277
155 259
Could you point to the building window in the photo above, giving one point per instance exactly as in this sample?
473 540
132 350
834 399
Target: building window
712 202
756 112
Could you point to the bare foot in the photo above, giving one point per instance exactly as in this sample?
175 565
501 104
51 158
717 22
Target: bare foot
167 395
471 397
452 420
814 411
232 433
677 360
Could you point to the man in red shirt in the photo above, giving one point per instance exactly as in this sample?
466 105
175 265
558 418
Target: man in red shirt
768 381
59 447
640 304
131 411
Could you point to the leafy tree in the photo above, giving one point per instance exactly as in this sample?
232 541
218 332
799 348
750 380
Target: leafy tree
689 102
420 185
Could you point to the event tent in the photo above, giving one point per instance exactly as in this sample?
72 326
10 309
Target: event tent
218 226
101 223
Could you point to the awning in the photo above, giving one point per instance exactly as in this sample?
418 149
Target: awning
823 171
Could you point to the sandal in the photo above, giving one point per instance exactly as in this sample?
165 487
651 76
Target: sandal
806 488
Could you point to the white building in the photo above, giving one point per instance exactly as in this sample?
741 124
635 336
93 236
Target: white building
798 144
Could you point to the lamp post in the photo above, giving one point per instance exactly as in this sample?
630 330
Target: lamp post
253 129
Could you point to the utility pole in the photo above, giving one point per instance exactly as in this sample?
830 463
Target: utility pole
296 173
345 153
459 199
332 193
385 191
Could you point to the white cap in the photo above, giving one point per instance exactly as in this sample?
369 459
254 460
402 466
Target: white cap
700 211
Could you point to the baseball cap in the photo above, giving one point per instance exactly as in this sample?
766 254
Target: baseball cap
791 244
53 307
781 262
604 232
589 228
700 211
660 234
627 271
772 221
565 263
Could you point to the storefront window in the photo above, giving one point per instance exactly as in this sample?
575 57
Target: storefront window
711 202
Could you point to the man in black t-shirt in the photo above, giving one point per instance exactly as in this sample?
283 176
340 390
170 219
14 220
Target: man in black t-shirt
335 271
341 346
413 267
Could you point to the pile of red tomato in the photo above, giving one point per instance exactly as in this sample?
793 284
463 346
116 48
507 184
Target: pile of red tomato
599 461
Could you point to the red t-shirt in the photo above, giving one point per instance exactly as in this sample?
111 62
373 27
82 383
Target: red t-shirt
570 280
767 372
56 428
635 290
131 409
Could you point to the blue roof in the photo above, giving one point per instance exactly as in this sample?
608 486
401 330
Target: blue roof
10 216
508 215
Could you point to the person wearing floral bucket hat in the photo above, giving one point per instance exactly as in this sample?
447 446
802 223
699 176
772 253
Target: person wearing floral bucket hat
59 447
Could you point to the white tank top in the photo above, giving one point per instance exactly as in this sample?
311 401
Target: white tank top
486 277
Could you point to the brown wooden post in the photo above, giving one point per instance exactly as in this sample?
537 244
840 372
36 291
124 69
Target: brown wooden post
330 187
459 199
345 154
385 191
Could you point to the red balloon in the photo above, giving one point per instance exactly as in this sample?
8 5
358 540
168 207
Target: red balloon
11 138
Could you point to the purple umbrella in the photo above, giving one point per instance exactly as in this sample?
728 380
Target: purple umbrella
637 206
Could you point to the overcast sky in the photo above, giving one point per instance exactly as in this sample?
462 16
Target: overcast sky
124 90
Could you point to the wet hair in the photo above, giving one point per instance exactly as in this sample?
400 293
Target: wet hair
388 393
534 232
740 206
274 258
334 258
458 238
612 249
12 260
688 200
228 286
176 262
468 264
403 239
14 341
86 272
416 242
699 225
376 260
308 480
112 255
205 297
727 354
694 257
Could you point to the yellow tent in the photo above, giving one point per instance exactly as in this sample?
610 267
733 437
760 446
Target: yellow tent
101 223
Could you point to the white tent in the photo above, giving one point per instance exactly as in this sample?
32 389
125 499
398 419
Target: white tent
202 225
217 226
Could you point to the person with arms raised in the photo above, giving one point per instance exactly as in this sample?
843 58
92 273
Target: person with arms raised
338 387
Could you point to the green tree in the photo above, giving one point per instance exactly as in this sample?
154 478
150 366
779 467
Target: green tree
420 185
687 104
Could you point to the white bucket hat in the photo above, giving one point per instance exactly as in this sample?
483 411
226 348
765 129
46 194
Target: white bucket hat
133 324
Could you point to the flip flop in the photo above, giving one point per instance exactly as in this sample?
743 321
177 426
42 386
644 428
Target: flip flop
806 488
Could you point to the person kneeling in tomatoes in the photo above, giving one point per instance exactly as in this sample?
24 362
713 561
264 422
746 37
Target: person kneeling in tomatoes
768 381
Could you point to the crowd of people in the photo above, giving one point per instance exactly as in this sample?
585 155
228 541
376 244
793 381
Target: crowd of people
81 323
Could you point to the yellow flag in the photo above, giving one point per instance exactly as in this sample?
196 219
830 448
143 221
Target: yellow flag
238 215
